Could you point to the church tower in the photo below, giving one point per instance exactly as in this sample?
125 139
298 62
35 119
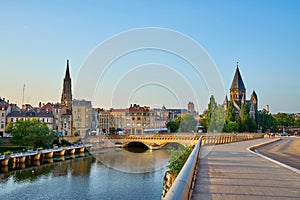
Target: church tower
254 100
237 89
66 96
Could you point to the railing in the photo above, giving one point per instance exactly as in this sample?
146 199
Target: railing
181 188
228 138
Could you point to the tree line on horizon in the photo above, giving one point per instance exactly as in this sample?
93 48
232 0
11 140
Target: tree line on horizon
216 119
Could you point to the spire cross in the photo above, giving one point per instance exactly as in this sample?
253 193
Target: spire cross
237 63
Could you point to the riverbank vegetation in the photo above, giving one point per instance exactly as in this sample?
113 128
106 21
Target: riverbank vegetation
221 118
10 149
30 133
178 157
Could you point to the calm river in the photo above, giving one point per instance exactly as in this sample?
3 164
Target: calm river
107 174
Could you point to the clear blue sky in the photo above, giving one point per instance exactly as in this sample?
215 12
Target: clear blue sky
36 38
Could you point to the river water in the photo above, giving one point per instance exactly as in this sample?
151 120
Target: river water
106 174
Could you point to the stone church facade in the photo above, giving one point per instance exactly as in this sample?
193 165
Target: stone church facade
238 95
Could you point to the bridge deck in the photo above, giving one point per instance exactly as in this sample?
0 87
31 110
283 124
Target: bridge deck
229 171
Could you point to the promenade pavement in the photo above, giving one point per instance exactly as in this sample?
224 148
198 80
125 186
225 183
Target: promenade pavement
230 171
287 151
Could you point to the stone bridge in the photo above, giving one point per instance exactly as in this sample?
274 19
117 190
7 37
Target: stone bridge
151 141
159 141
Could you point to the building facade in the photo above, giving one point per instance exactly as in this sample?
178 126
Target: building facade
4 111
238 95
82 117
30 113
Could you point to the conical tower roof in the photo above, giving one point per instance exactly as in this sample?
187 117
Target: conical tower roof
254 95
237 82
67 75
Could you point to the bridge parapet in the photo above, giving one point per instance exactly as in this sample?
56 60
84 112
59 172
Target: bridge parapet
158 141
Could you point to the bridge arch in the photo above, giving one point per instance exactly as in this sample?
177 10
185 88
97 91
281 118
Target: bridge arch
135 144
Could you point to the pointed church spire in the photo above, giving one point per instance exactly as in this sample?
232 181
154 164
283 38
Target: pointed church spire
225 103
67 75
66 96
237 82
226 100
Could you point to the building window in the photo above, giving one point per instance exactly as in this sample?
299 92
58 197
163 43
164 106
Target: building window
78 109
2 125
2 114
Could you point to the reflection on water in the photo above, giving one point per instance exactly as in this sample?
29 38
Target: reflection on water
132 162
35 169
87 178
136 149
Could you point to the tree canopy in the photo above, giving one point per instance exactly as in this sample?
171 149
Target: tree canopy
187 123
246 123
30 133
266 121
284 119
184 123
173 125
217 119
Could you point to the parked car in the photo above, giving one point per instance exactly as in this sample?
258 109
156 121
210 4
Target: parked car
284 134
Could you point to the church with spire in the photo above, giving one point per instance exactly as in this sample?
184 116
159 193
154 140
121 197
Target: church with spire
66 96
238 95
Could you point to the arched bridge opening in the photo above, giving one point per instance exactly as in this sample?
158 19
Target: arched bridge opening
136 147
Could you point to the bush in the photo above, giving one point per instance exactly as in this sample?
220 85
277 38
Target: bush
76 134
61 142
5 149
178 158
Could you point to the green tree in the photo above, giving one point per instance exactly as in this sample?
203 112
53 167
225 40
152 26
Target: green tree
173 125
283 119
217 119
187 123
112 130
266 121
231 127
297 122
203 121
31 133
246 123
211 109
230 113
178 157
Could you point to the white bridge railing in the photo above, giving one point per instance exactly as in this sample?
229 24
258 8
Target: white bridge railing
181 188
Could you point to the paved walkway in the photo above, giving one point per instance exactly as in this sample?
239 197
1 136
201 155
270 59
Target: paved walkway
287 151
231 172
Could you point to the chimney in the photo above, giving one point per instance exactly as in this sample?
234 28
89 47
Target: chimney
40 104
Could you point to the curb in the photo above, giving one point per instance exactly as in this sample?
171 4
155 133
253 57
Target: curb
253 148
